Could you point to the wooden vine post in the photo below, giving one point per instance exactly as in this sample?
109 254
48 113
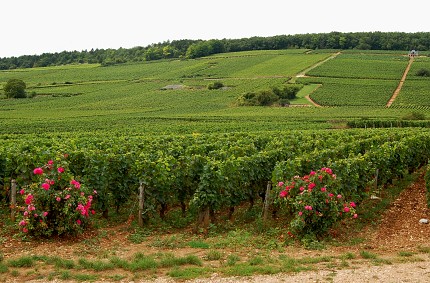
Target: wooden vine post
203 220
376 179
267 201
12 199
141 203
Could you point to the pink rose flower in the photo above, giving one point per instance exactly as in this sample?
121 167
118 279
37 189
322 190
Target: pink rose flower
60 170
78 222
50 162
323 189
300 213
283 194
280 184
75 183
58 199
22 191
25 230
29 199
355 215
45 213
339 196
46 186
352 204
38 171
346 209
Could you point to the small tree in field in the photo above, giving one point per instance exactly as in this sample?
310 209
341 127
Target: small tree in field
15 88
423 72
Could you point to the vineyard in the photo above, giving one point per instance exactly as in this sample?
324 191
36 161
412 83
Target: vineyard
153 136
218 171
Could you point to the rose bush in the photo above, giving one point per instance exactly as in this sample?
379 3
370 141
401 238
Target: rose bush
314 202
55 203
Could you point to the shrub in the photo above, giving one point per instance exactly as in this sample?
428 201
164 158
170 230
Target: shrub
15 88
261 98
215 85
284 102
275 95
314 202
55 203
288 91
423 72
414 116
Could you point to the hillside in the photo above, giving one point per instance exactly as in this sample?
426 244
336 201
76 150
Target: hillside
168 178
130 97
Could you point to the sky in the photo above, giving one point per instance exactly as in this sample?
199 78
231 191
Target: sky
29 27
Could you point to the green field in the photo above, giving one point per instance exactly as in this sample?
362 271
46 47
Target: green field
129 97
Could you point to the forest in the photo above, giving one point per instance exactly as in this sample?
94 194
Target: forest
191 49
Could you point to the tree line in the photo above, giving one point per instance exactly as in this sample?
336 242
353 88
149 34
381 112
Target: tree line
191 49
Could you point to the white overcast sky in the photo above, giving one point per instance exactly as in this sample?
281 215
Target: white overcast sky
30 27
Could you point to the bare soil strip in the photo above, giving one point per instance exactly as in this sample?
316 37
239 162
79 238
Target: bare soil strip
311 100
399 87
303 73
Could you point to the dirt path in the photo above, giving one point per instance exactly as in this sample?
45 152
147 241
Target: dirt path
310 99
303 73
402 80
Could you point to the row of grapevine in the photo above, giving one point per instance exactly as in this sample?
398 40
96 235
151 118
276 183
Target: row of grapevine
388 123
213 172
389 160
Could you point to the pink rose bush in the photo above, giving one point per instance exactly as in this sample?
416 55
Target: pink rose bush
55 203
314 203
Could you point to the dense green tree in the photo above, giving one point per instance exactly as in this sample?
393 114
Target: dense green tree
199 48
15 88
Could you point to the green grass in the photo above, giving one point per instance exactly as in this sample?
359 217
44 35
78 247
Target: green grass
214 255
62 263
189 273
245 269
197 244
424 249
96 265
405 253
232 259
3 268
368 255
24 261
169 260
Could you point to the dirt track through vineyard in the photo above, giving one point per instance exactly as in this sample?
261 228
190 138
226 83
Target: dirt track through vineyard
402 80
